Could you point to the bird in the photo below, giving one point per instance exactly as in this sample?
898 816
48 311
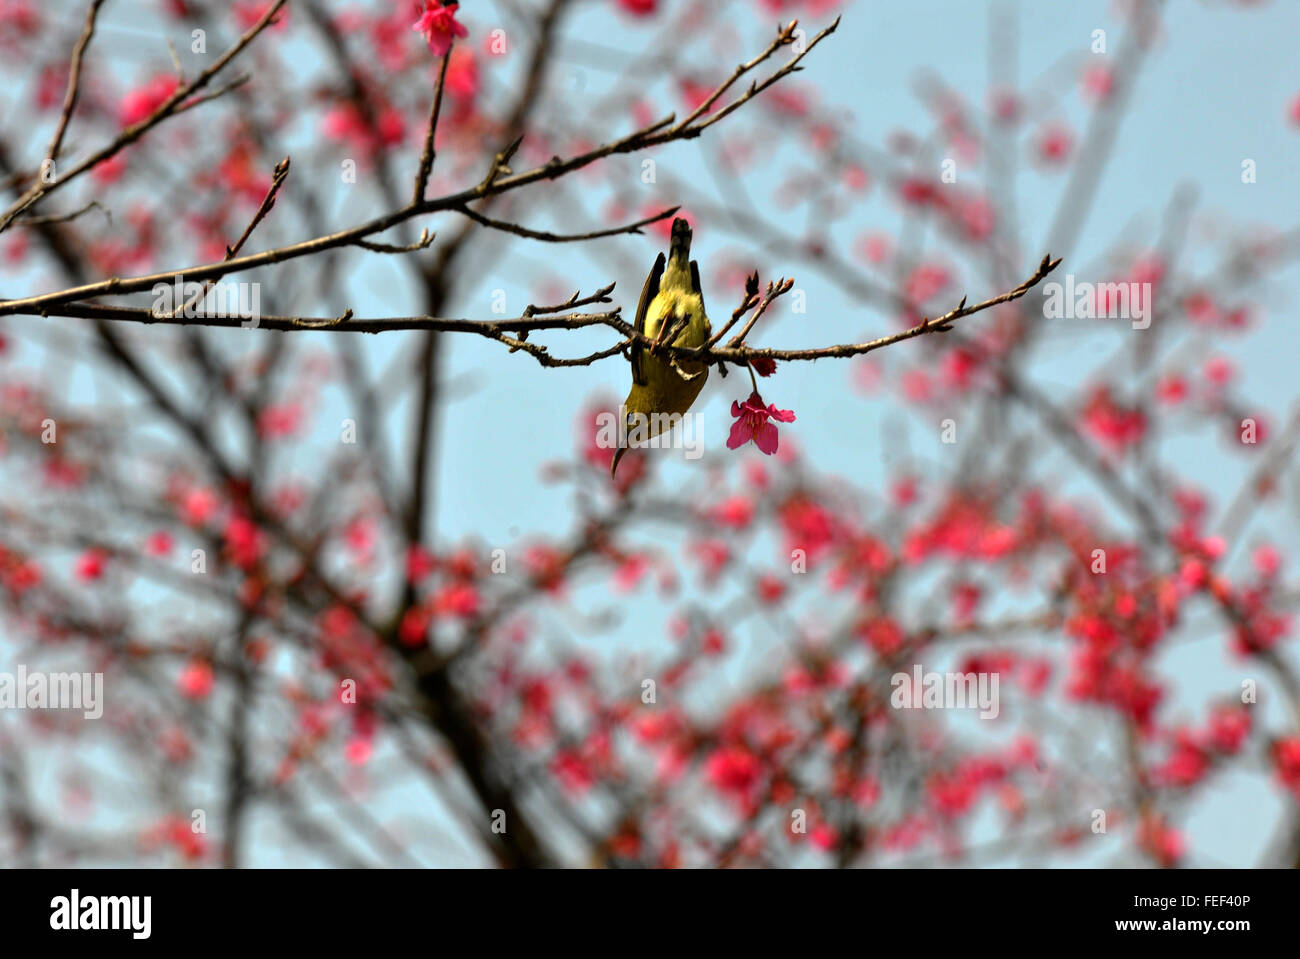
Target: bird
670 311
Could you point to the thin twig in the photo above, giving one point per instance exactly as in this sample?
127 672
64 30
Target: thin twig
423 242
277 178
65 217
74 85
774 290
430 152
530 234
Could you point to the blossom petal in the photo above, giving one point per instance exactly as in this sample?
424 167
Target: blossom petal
765 438
741 433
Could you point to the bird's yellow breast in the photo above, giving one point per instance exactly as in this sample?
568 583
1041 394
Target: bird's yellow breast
674 301
665 391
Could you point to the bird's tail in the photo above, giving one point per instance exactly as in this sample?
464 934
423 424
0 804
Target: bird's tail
679 247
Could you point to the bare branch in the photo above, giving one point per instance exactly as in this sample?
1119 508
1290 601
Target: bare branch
523 231
430 152
74 84
277 178
65 217
532 320
422 243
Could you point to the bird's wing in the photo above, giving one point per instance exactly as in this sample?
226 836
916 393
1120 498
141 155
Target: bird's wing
648 293
699 290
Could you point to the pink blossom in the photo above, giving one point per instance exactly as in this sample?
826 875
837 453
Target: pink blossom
732 769
198 505
1219 370
1286 756
90 565
574 773
639 8
736 511
457 599
856 178
694 93
245 543
874 247
713 554
1229 727
439 26
1054 144
1163 842
414 626
823 837
141 103
630 572
20 16
713 643
1005 105
279 420
358 750
753 423
196 679
926 281
975 215
21 577
1098 82
1171 389
360 536
419 563
1267 561
159 543
249 13
769 588
462 74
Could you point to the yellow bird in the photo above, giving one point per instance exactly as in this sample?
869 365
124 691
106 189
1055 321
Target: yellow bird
671 310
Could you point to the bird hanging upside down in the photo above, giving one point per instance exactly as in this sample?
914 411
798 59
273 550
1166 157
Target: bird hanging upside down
671 311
